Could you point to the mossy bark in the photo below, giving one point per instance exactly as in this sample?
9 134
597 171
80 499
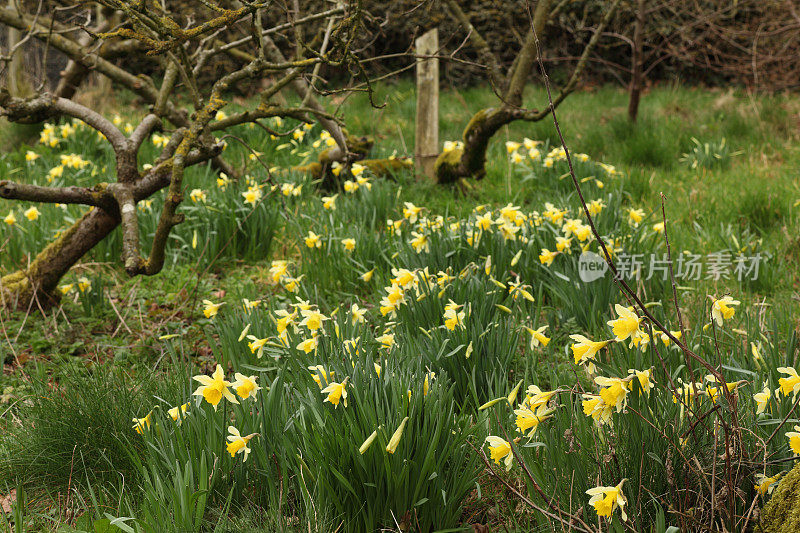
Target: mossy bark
471 160
39 280
782 512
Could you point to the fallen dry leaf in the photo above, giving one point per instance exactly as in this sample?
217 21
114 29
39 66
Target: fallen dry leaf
7 501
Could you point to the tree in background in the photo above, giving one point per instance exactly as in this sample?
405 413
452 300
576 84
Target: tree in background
183 99
470 160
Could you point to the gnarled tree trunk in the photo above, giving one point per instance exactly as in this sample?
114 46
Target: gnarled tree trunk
39 280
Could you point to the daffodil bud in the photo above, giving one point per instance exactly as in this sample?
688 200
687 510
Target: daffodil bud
490 403
367 443
395 440
512 397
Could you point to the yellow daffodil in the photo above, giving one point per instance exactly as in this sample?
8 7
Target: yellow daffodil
178 412
528 421
595 207
10 219
606 500
790 384
252 195
722 309
312 319
308 345
595 407
278 269
84 284
198 195
794 440
214 388
223 181
411 212
666 340
368 442
453 317
645 383
585 350
319 375
237 443
635 216
419 242
762 399
765 485
386 340
245 386
140 424
256 345
211 309
357 313
349 244
366 277
337 392
313 240
350 186
614 392
546 257
500 449
537 337
32 213
626 325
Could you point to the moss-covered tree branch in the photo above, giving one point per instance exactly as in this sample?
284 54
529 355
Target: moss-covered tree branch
470 160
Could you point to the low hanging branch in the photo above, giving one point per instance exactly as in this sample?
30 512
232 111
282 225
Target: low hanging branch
470 160
185 100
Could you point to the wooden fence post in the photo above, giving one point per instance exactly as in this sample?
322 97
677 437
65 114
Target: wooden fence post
426 143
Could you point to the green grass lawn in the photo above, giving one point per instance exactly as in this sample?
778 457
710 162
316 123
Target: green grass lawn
743 200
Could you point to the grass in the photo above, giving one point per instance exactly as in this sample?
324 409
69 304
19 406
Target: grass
74 377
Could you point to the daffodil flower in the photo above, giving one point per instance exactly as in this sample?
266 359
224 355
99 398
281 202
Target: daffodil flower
312 319
528 420
313 240
319 375
765 485
762 399
214 388
245 386
32 214
337 392
606 500
537 337
794 440
722 309
585 350
626 325
368 442
237 443
211 309
140 424
789 384
178 412
500 449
